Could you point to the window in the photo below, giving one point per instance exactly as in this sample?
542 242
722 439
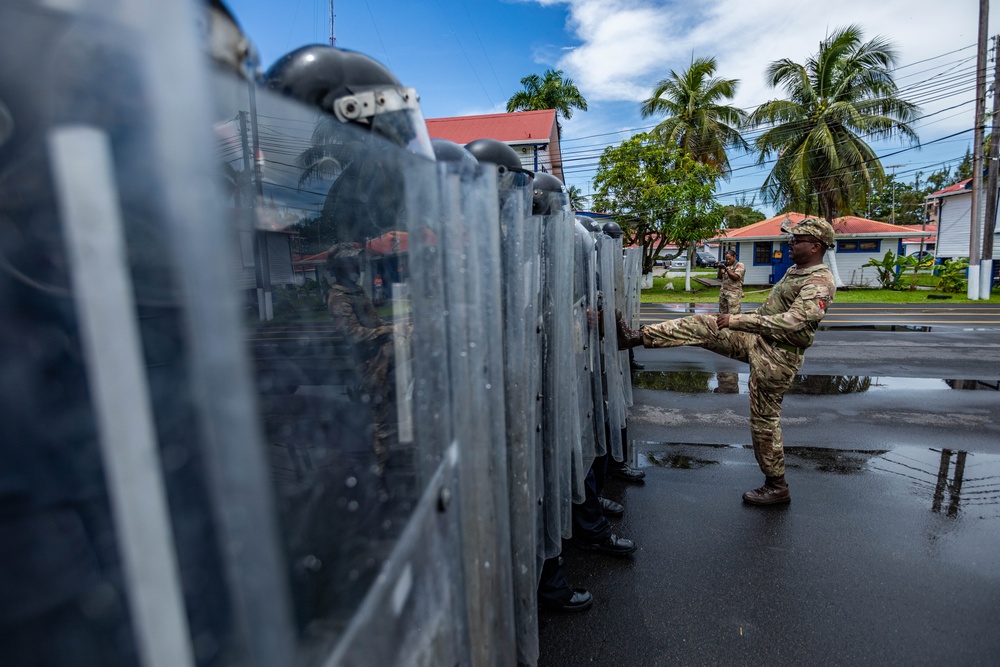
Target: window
859 246
761 252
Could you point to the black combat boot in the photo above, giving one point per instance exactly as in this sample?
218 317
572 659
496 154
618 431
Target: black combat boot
774 492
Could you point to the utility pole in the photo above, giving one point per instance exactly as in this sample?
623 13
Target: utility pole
977 155
333 31
992 167
892 183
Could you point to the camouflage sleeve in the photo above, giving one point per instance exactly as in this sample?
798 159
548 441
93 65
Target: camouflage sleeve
740 271
342 311
805 313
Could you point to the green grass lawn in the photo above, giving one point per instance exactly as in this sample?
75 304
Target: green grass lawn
757 293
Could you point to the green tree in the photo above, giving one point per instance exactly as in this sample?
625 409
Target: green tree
697 119
838 98
659 196
550 91
577 200
964 169
740 214
897 203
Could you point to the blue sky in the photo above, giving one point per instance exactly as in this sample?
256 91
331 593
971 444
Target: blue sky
468 57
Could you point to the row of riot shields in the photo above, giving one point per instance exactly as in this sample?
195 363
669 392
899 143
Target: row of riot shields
219 448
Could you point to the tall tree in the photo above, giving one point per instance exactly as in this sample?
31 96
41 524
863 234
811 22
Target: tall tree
697 119
550 91
900 203
840 97
577 200
740 214
658 195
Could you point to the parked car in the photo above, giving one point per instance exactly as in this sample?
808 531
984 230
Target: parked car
677 263
704 259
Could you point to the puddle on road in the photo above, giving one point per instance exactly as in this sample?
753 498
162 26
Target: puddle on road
948 482
678 461
697 382
833 326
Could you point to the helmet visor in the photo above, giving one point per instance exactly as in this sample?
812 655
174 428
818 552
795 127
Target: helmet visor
509 179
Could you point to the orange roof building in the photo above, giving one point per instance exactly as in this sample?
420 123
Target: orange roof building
532 134
762 248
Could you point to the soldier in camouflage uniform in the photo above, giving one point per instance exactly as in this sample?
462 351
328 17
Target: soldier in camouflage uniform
356 321
772 339
731 293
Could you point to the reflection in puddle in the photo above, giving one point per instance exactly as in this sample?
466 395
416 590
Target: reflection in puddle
678 461
841 461
697 382
947 481
945 476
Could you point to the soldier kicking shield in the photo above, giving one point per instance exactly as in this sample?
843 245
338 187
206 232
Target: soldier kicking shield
772 339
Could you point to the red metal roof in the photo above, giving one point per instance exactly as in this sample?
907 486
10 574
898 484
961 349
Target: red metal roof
846 226
957 187
517 127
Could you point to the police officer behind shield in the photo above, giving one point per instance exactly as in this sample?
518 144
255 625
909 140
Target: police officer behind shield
554 592
621 469
591 528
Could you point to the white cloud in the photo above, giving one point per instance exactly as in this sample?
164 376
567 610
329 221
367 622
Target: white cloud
626 46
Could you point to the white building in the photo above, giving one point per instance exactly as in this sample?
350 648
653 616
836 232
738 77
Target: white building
763 250
954 207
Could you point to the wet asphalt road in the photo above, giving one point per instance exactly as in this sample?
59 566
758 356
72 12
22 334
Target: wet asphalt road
888 554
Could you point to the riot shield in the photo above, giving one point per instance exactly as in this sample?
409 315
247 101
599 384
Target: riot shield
133 465
594 341
560 422
474 317
609 255
242 452
631 264
584 322
521 244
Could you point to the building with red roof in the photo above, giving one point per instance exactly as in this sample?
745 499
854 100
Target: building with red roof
532 134
953 205
762 248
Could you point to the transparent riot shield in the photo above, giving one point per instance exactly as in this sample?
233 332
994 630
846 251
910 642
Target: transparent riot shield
631 264
474 317
609 256
228 407
139 481
585 306
560 424
521 242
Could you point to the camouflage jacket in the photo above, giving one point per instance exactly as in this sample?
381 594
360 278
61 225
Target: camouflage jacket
792 311
730 286
355 316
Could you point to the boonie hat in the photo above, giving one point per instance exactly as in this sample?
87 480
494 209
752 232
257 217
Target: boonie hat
341 251
817 227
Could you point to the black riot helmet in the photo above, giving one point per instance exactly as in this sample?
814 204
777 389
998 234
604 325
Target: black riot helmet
613 230
509 169
449 151
549 195
588 223
355 89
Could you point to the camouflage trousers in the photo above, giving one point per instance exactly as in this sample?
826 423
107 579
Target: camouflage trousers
772 370
730 303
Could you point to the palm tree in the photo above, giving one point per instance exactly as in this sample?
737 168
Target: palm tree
577 200
698 121
838 98
549 91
